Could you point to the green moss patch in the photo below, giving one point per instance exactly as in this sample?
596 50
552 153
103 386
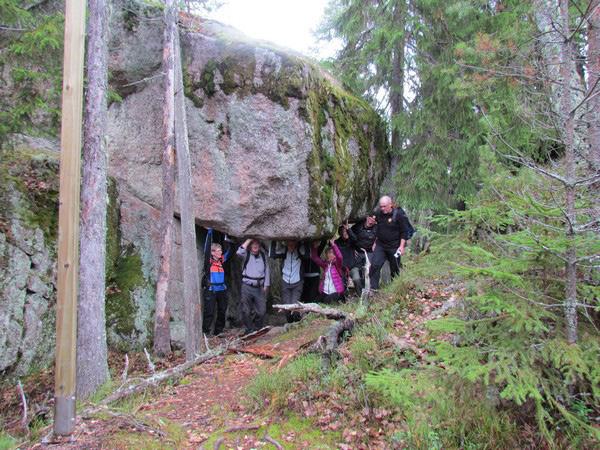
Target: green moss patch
120 305
337 176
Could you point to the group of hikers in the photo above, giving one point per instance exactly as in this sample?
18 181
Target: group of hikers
319 271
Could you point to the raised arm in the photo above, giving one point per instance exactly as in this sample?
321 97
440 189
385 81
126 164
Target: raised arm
314 255
275 250
241 252
339 258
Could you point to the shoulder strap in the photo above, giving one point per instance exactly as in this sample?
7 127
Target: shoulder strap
246 259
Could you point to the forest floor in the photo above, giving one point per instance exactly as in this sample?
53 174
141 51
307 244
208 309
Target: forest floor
382 389
205 406
220 403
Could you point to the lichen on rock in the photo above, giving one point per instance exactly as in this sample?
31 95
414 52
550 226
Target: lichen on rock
28 193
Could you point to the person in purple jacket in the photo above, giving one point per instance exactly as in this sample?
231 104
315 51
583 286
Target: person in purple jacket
331 288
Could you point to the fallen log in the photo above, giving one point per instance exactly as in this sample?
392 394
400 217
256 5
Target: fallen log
330 313
135 387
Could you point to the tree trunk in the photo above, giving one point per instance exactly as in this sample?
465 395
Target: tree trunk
593 70
162 334
92 365
568 130
191 268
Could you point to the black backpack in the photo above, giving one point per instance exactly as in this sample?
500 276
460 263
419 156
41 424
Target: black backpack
399 214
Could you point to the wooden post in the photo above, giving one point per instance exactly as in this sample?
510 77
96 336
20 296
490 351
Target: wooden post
68 218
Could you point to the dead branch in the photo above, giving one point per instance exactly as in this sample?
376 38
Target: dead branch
151 365
256 334
134 422
269 439
206 342
365 293
241 428
330 313
159 377
218 443
260 353
125 369
24 421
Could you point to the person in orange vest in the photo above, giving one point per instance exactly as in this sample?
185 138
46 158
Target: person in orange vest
215 289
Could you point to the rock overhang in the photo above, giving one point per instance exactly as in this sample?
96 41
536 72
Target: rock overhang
279 149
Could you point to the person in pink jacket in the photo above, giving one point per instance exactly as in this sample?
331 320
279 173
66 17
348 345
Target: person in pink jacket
331 288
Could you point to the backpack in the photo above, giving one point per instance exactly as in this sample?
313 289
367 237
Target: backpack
247 258
399 214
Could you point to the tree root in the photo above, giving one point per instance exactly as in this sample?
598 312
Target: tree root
327 345
269 439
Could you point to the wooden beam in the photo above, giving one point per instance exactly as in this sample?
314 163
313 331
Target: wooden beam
68 217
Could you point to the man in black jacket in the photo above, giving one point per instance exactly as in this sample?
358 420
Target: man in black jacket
393 230
365 232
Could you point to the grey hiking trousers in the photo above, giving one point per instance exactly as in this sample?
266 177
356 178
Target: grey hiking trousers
253 304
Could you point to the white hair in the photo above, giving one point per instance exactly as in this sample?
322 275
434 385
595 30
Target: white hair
386 199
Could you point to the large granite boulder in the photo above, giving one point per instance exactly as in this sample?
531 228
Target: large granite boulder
279 149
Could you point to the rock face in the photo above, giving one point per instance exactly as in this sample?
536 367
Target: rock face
278 149
28 195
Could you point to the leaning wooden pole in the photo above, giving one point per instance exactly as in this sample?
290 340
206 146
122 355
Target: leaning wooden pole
68 218
191 268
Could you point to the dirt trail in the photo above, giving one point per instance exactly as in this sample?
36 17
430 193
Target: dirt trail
208 400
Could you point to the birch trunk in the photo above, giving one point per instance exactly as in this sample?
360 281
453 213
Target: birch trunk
568 130
162 334
92 365
191 269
